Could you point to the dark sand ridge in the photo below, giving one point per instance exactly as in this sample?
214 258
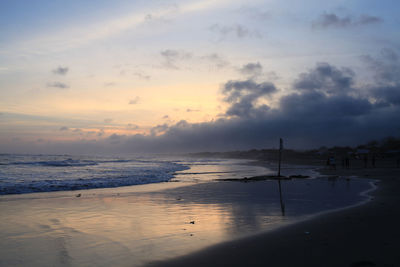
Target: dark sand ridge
366 235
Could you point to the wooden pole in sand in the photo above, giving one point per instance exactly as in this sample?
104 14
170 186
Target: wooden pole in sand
280 197
279 175
280 156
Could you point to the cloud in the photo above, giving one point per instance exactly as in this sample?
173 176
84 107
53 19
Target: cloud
192 110
159 129
79 35
243 96
108 120
173 57
134 101
59 85
61 70
331 20
255 13
141 75
325 108
326 78
367 19
237 30
326 105
101 132
216 60
165 117
132 126
251 69
64 128
109 84
386 73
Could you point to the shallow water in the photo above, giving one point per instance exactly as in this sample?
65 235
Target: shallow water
131 226
20 174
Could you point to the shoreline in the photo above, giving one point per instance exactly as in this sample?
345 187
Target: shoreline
352 236
217 210
137 218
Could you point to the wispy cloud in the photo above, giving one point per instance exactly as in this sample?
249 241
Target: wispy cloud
142 76
239 31
59 85
61 70
134 101
216 61
331 20
78 35
109 84
251 69
173 57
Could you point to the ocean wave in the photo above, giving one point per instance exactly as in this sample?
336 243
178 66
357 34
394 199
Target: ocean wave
136 176
57 163
45 174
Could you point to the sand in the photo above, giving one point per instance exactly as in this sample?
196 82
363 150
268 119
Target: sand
177 224
366 235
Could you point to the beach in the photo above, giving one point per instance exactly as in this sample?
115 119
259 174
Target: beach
366 235
330 219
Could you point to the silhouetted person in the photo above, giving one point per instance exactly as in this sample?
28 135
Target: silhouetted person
332 162
347 163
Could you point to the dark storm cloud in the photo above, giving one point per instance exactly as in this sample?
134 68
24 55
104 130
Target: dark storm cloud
59 85
61 70
243 96
316 104
325 106
326 78
327 20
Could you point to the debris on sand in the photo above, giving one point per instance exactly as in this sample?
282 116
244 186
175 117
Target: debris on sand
264 178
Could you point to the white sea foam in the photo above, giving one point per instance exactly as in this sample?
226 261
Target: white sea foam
44 173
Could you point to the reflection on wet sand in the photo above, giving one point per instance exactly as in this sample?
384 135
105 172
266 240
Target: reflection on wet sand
134 227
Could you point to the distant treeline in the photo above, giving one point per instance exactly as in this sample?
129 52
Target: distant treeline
388 146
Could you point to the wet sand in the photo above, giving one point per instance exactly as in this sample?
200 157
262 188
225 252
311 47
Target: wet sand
132 226
365 235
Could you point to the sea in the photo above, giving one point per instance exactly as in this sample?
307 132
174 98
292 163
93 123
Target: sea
20 174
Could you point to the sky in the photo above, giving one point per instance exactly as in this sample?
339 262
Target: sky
211 75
